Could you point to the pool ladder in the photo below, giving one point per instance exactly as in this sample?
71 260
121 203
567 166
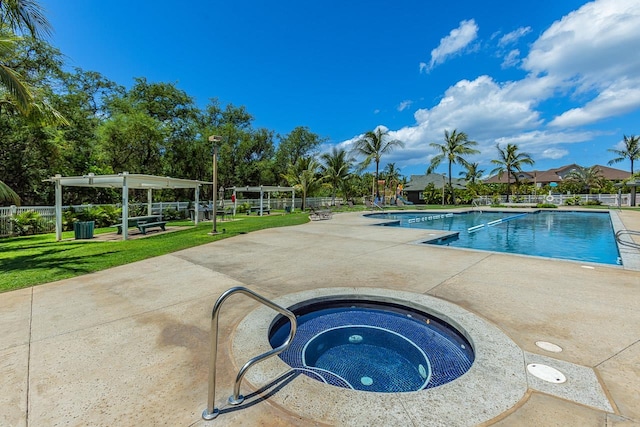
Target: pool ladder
212 412
627 242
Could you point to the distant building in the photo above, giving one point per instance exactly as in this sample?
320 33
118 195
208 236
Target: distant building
542 178
417 183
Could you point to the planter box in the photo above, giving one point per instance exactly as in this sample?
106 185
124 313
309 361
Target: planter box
83 229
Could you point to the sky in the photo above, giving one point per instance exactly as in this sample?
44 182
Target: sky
560 79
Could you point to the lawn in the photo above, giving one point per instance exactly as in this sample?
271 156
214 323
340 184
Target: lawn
33 260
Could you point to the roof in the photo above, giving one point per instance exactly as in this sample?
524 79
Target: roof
557 174
138 181
261 188
420 182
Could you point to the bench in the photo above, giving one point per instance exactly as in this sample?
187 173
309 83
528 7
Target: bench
256 209
142 226
137 220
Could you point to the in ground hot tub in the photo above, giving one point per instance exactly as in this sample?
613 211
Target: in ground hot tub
373 346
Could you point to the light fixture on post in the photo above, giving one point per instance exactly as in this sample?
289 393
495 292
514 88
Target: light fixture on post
215 139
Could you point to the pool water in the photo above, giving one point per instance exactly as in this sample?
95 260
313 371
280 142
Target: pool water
578 236
374 347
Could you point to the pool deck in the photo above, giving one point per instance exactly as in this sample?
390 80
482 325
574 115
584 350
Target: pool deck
130 345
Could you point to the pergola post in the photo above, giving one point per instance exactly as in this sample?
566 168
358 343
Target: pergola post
58 186
125 207
261 196
149 202
197 204
293 200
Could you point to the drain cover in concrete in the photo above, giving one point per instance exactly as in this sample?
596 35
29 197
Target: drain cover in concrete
549 346
546 373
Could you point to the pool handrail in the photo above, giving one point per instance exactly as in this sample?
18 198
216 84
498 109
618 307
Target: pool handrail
211 411
629 243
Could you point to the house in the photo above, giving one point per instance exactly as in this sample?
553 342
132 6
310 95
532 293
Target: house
417 183
542 178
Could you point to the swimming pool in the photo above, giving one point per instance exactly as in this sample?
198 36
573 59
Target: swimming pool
570 235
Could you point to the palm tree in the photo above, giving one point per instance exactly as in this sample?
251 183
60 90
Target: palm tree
587 178
632 152
19 17
304 177
8 195
336 168
456 146
472 173
373 145
509 161
392 177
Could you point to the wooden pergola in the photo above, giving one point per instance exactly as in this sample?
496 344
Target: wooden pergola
125 181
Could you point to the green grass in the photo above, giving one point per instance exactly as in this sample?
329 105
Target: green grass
33 260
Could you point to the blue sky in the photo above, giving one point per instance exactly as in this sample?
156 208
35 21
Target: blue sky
561 79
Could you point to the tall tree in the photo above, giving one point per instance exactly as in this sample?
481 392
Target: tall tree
336 168
455 148
510 160
299 143
373 145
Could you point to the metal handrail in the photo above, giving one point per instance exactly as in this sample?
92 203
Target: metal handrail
211 412
631 243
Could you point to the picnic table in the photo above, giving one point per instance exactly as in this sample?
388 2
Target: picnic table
265 209
142 223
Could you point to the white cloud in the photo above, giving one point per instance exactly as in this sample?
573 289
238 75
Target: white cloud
511 59
554 153
458 39
589 56
591 53
404 105
424 67
513 36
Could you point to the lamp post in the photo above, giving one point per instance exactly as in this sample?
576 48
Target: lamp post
444 182
214 139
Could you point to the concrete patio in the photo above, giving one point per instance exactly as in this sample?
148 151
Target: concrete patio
130 345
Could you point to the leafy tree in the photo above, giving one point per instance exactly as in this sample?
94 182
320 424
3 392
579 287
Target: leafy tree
373 145
336 168
455 148
510 160
304 177
299 143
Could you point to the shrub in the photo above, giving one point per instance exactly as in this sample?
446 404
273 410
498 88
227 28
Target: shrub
573 201
29 222
245 207
171 214
546 205
593 202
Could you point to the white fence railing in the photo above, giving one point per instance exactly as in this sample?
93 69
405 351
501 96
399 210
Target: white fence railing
559 199
48 213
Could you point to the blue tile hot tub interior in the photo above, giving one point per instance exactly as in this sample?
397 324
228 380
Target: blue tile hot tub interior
374 347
